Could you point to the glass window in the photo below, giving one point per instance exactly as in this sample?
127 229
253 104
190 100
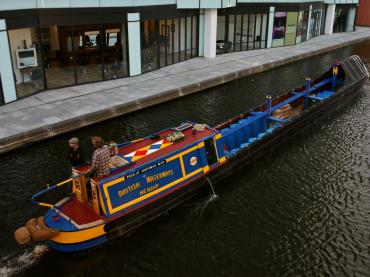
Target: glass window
241 32
176 40
299 27
88 53
291 28
245 32
170 58
194 37
115 51
2 102
238 32
221 33
57 44
264 31
258 32
149 44
305 25
189 23
164 42
251 31
231 32
182 39
278 31
344 18
25 49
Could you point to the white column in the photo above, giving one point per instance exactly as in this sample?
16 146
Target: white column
329 21
134 44
6 67
270 27
309 23
201 33
210 33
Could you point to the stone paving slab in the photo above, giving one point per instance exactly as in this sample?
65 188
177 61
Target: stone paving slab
62 110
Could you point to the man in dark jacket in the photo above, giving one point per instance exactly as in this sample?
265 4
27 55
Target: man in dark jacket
76 156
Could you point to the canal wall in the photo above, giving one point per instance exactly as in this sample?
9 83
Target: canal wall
58 111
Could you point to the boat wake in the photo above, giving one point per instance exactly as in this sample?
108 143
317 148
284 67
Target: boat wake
13 264
211 198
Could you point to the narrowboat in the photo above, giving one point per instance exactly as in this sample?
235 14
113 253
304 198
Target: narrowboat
154 174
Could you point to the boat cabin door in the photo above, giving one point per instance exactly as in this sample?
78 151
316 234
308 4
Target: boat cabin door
95 196
211 152
79 188
87 192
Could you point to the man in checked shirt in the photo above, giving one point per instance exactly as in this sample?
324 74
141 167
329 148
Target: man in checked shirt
100 158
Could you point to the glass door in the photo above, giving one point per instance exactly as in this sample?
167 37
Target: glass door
1 94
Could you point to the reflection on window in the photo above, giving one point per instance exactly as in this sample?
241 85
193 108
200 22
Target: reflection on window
149 43
88 53
168 41
241 32
73 54
115 52
57 43
278 31
344 18
27 64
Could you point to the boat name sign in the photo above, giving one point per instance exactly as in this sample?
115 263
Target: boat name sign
131 175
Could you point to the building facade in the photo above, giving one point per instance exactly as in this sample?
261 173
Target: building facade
363 13
48 44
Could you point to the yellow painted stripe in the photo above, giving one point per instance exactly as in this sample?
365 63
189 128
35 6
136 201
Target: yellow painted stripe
45 205
111 183
206 169
101 200
222 160
182 153
163 145
79 236
218 136
182 166
146 196
64 182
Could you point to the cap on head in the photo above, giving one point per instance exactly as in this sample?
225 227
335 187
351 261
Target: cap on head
74 140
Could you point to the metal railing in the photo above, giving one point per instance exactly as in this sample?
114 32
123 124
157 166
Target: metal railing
36 195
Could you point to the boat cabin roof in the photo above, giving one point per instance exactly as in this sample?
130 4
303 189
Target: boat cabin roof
154 147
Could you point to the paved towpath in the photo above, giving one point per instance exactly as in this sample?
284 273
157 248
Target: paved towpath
54 112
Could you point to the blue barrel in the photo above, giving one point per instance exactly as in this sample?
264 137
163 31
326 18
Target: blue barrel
244 145
261 135
235 151
251 140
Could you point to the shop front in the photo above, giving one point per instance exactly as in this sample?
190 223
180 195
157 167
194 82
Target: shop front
241 29
56 48
293 23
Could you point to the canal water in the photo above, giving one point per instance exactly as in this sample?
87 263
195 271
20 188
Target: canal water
304 209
